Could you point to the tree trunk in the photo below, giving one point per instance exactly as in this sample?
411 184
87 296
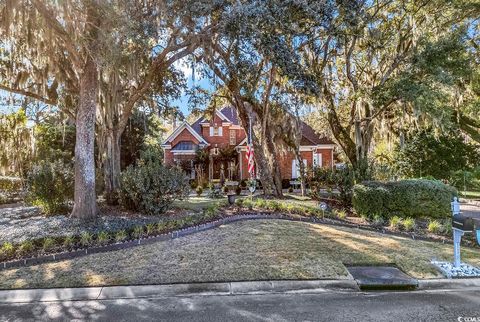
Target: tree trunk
111 167
264 167
274 165
85 206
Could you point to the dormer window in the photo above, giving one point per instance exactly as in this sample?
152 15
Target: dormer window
216 130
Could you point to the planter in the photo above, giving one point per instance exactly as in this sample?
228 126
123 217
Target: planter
231 199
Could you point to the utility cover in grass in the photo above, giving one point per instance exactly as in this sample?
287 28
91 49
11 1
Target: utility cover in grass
381 277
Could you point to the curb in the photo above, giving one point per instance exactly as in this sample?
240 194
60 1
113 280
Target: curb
191 289
214 289
448 284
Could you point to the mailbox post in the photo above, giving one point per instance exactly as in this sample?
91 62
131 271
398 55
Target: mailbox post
461 224
457 233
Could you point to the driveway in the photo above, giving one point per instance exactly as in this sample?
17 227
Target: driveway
329 306
471 208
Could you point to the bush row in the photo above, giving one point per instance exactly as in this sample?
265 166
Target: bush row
10 184
290 208
405 198
46 245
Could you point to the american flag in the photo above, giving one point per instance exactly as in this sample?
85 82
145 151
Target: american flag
250 159
250 155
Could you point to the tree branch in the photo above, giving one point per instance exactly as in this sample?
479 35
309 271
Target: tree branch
29 94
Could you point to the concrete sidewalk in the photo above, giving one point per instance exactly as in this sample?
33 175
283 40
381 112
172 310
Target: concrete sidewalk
213 289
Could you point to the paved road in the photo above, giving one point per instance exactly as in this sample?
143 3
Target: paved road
328 306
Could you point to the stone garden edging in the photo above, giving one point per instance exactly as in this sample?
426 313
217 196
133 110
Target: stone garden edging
194 229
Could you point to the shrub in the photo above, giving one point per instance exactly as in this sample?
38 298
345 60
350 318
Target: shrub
377 220
406 198
341 214
409 224
193 184
341 179
6 251
86 239
260 203
225 189
48 244
211 211
396 222
239 202
121 236
150 187
447 227
25 248
103 238
69 241
238 190
161 227
151 229
199 191
50 186
290 189
138 232
10 184
434 226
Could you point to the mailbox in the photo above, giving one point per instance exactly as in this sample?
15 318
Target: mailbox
465 223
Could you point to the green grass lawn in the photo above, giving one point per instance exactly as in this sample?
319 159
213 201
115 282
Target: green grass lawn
470 194
247 250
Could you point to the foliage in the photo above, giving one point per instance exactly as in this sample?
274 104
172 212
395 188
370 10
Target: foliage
434 226
10 184
48 244
342 179
214 193
238 190
121 236
396 222
341 214
414 198
68 241
142 132
25 248
86 239
54 140
150 186
103 238
50 186
138 232
16 143
441 157
409 224
6 251
199 190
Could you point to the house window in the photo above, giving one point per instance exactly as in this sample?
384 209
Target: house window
317 160
233 137
216 130
296 168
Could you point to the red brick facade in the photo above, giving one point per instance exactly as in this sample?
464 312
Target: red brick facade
198 135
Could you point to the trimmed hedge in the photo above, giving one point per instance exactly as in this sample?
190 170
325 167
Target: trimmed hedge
405 198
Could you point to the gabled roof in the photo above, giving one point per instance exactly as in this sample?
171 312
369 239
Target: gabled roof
310 134
179 130
227 113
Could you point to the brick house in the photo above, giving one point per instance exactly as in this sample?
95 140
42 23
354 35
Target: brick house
223 142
